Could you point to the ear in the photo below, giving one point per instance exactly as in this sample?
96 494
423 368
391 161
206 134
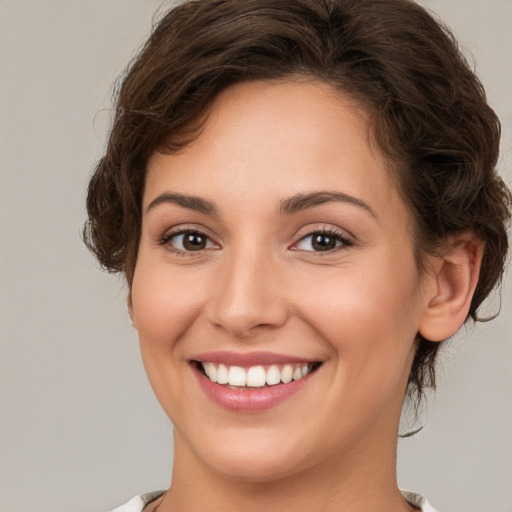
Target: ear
129 304
452 279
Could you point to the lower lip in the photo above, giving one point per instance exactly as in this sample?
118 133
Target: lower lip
249 400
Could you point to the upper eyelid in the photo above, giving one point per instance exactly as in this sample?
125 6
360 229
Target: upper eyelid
301 234
187 228
170 233
177 232
165 242
339 237
328 230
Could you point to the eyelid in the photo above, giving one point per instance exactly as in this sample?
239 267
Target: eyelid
340 235
176 231
346 240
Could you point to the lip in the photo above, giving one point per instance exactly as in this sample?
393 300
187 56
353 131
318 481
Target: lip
248 359
248 400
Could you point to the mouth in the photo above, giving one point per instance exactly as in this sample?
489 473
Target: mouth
254 377
252 382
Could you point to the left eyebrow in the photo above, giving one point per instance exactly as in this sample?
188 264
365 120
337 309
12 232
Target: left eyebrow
299 202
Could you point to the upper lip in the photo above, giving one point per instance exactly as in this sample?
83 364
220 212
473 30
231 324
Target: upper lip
247 359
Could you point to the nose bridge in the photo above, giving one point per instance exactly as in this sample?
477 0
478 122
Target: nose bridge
247 297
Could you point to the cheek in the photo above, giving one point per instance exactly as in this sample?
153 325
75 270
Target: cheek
369 317
164 306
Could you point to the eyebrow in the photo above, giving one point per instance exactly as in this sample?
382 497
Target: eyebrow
293 204
191 202
301 202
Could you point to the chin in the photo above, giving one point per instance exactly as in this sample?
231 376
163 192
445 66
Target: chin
255 469
252 458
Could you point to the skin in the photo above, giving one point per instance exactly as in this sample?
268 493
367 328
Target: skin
259 284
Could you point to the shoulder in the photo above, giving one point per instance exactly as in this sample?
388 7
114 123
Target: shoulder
418 501
138 503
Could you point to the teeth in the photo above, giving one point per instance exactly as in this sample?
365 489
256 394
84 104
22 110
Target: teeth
222 374
255 376
273 376
287 373
237 376
211 370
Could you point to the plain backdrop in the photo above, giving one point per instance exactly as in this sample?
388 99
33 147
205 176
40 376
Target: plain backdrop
79 427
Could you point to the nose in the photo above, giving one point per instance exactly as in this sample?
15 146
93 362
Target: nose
248 296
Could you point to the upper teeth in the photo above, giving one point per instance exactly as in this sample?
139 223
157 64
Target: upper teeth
255 376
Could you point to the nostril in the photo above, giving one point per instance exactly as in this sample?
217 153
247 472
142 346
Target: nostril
246 301
243 328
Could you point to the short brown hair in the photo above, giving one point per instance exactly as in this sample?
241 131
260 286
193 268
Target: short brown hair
429 115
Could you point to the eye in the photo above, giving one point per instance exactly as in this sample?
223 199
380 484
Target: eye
322 241
188 241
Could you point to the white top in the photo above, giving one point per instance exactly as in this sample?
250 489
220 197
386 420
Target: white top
138 503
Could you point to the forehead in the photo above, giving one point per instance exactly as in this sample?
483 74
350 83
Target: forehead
263 141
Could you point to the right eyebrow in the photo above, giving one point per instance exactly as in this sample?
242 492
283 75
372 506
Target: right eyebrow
186 201
301 202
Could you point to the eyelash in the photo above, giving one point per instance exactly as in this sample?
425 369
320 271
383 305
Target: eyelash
340 238
168 237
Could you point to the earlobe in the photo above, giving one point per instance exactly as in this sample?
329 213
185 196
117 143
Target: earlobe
454 277
129 304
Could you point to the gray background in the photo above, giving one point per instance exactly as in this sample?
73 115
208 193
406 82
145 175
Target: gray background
79 427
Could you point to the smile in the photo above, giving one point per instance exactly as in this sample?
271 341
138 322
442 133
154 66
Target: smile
251 382
255 376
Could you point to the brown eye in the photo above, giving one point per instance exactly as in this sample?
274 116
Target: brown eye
194 241
188 241
323 242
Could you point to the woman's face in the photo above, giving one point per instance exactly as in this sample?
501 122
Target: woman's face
276 248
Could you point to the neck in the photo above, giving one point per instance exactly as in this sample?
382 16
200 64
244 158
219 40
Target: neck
364 479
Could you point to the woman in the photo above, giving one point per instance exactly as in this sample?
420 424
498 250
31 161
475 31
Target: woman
303 199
